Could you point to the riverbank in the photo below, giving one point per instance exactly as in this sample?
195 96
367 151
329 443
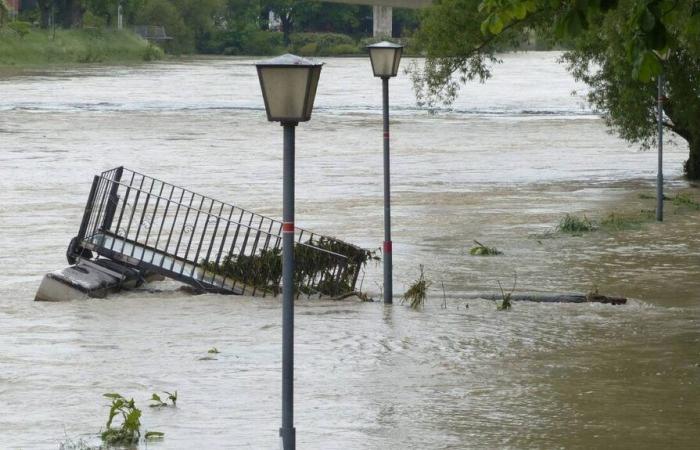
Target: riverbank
45 47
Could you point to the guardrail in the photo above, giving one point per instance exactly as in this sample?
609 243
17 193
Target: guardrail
215 246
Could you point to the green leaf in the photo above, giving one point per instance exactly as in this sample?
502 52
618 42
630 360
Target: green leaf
112 395
520 11
495 24
646 66
154 435
647 21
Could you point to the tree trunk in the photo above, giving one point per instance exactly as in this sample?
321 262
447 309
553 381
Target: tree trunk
286 20
692 165
44 13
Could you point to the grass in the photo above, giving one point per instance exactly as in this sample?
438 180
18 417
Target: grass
618 221
43 47
507 297
575 225
482 250
685 200
417 292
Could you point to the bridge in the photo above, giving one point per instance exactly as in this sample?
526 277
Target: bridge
383 11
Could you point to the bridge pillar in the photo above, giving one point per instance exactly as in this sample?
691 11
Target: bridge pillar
382 21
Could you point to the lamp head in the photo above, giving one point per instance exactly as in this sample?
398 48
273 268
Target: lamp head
288 84
385 57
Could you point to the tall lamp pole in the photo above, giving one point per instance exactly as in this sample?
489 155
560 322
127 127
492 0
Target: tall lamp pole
660 138
386 57
288 86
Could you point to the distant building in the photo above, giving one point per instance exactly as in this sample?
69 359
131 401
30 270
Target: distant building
14 6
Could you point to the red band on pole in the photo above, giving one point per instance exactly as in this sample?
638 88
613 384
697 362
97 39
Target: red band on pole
387 247
386 135
288 227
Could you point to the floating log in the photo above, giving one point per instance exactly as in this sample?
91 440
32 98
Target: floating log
556 298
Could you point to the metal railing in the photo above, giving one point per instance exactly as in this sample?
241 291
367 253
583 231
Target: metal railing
159 227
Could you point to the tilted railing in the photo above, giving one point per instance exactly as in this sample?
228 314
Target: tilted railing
215 246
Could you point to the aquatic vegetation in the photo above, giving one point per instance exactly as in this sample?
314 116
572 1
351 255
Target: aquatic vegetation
213 350
314 271
507 297
685 200
645 196
575 225
619 221
80 444
129 432
482 250
159 403
417 292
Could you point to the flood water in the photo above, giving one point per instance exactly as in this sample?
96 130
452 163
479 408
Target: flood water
501 167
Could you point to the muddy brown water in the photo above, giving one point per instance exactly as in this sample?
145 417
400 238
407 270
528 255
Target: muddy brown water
502 167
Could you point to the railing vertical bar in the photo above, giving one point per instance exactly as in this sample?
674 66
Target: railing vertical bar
98 211
115 176
223 242
172 227
140 224
194 229
204 232
121 211
162 222
233 244
92 218
133 211
213 237
182 232
87 212
153 216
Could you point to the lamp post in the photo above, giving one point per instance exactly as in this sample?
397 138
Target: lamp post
288 86
385 57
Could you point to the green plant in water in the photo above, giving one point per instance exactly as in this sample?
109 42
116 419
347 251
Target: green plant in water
159 403
575 225
417 292
507 297
482 250
130 430
645 196
324 266
685 200
617 221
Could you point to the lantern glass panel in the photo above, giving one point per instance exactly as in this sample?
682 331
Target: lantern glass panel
383 60
286 92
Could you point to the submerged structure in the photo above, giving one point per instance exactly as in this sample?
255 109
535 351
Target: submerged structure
136 227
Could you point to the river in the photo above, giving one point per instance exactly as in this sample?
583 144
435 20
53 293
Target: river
501 166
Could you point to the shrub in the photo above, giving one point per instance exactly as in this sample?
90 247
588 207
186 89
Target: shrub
344 49
21 28
575 225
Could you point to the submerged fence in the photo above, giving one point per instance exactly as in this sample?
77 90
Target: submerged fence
218 247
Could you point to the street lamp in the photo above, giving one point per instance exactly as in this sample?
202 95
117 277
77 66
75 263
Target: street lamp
288 86
385 57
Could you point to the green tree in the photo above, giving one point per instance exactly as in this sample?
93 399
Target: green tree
619 48
202 18
4 13
287 11
164 13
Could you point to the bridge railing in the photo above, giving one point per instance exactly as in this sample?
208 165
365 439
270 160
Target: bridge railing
216 246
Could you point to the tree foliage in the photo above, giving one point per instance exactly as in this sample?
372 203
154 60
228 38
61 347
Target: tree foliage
618 47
